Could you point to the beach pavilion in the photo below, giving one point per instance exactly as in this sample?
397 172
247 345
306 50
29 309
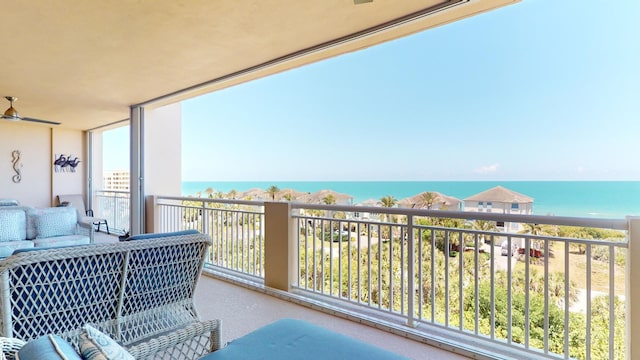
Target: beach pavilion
432 200
326 196
85 67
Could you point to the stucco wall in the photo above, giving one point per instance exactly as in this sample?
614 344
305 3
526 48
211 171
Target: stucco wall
38 144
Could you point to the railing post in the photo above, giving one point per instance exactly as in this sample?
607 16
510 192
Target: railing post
152 216
115 207
411 272
279 246
205 218
633 289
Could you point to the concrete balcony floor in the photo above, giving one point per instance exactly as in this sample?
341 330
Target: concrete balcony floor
243 310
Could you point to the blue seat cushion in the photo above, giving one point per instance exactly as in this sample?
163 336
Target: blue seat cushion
48 347
60 241
297 339
161 235
9 247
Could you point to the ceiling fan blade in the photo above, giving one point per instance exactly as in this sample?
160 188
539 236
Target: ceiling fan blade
10 118
40 121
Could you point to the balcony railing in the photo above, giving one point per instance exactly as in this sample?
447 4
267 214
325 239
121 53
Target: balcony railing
435 275
236 228
114 206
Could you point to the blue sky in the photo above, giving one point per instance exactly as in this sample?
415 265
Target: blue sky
540 90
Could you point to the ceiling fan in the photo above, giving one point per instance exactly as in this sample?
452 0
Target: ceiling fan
11 114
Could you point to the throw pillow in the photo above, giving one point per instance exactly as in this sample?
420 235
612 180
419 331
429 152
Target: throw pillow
60 222
9 202
47 347
95 345
12 225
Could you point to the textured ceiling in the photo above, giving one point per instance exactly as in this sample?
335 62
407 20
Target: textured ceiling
83 63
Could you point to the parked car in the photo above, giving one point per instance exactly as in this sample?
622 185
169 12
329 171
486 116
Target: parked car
504 247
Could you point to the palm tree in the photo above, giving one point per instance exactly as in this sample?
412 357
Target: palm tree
429 198
288 196
388 201
533 229
483 225
232 194
329 199
273 191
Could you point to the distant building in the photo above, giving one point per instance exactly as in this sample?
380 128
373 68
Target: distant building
367 216
116 180
501 200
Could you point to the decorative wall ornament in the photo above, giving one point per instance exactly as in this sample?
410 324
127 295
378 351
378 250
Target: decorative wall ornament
65 163
16 166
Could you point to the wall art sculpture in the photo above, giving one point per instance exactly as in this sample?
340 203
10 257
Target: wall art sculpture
65 163
15 154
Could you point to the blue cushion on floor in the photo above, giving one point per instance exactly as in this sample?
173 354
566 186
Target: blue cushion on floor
297 339
161 235
48 347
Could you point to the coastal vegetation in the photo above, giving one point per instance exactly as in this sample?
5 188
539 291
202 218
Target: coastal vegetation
507 305
457 285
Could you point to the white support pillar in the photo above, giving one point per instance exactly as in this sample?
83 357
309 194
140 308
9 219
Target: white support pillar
137 217
279 246
633 289
89 168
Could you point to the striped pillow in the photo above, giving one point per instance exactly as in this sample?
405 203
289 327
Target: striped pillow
95 345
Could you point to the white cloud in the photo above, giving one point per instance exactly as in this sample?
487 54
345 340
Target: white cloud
487 169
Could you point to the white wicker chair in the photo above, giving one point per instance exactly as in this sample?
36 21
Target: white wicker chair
10 346
138 292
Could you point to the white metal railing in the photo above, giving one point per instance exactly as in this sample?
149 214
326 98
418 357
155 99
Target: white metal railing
433 269
549 295
114 206
235 227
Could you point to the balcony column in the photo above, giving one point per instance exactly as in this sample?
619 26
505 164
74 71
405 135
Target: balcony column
279 246
136 170
633 289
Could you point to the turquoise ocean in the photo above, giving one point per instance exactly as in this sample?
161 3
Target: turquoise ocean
597 199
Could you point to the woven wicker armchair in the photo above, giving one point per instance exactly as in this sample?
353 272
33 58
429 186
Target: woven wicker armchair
10 346
139 292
